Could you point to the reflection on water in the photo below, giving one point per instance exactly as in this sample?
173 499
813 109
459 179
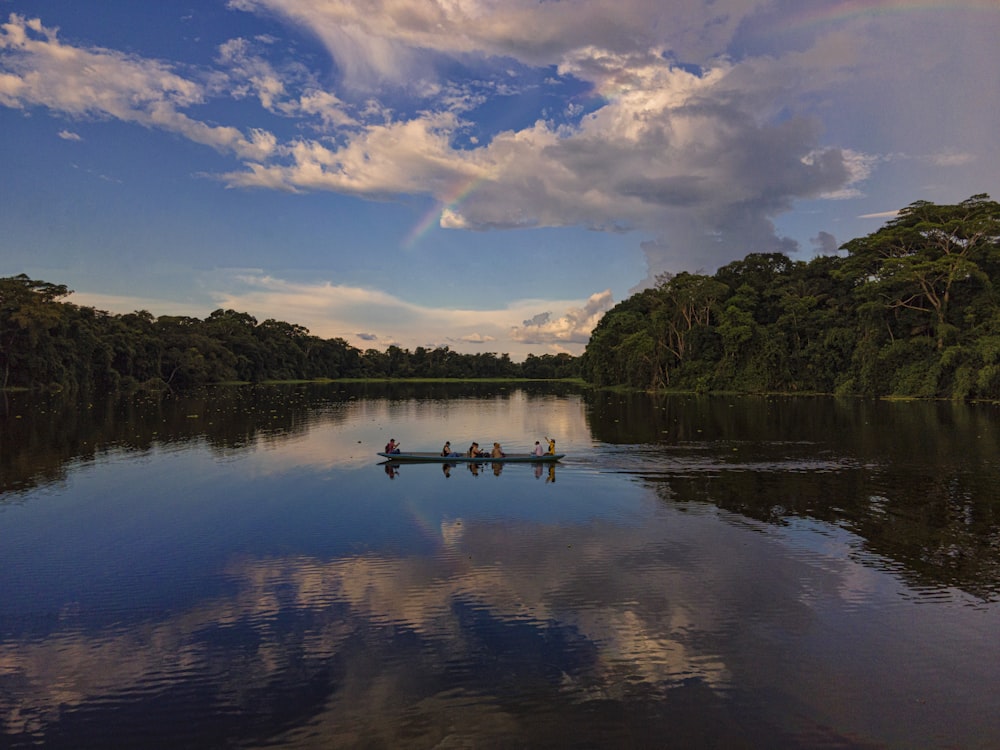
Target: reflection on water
915 481
496 468
705 573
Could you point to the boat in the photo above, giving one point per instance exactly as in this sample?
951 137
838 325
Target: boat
436 457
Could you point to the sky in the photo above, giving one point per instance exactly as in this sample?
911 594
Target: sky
487 175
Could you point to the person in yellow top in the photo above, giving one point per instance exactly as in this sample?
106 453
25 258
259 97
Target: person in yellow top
552 446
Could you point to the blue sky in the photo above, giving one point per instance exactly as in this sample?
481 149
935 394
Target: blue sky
481 174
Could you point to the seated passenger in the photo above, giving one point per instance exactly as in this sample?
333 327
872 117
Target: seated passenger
539 450
497 451
474 450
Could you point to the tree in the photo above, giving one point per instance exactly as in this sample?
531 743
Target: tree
283 349
688 301
27 318
817 322
918 261
763 273
46 342
604 361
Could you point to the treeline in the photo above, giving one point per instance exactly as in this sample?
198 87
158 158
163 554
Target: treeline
911 310
46 342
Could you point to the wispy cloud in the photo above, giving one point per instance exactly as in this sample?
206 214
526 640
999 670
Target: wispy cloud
880 215
39 70
695 123
340 311
669 151
380 40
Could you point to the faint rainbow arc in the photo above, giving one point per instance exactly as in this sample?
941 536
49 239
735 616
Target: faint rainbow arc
433 216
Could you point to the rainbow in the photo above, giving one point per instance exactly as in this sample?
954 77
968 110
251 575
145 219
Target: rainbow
432 218
846 10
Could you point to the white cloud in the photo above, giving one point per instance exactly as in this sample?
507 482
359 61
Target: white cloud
414 156
688 156
572 327
669 154
261 79
330 310
698 147
881 215
692 157
68 135
368 318
100 83
380 40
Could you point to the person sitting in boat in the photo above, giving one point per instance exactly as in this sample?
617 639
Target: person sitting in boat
474 450
552 446
446 451
539 450
497 451
392 446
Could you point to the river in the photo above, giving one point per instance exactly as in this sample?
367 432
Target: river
238 568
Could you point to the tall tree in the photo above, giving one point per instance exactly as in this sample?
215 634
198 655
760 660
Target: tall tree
917 261
27 317
688 302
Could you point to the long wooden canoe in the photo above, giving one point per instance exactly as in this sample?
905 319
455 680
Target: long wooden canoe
438 458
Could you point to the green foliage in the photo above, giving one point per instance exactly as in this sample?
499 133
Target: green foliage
910 310
31 323
46 343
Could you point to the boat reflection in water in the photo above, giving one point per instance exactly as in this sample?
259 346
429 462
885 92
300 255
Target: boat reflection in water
539 468
226 570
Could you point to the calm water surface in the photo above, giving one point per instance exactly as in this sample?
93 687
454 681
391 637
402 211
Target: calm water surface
237 568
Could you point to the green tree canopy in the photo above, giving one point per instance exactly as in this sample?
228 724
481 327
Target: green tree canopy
910 309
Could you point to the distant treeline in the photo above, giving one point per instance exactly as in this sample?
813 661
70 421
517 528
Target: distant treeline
49 343
911 310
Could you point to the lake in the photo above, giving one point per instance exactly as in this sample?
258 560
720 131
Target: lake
238 568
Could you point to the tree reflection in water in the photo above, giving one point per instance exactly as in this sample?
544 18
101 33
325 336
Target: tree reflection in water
232 569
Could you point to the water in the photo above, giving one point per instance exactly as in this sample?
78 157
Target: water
239 569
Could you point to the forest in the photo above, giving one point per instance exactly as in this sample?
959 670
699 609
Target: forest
910 310
46 342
